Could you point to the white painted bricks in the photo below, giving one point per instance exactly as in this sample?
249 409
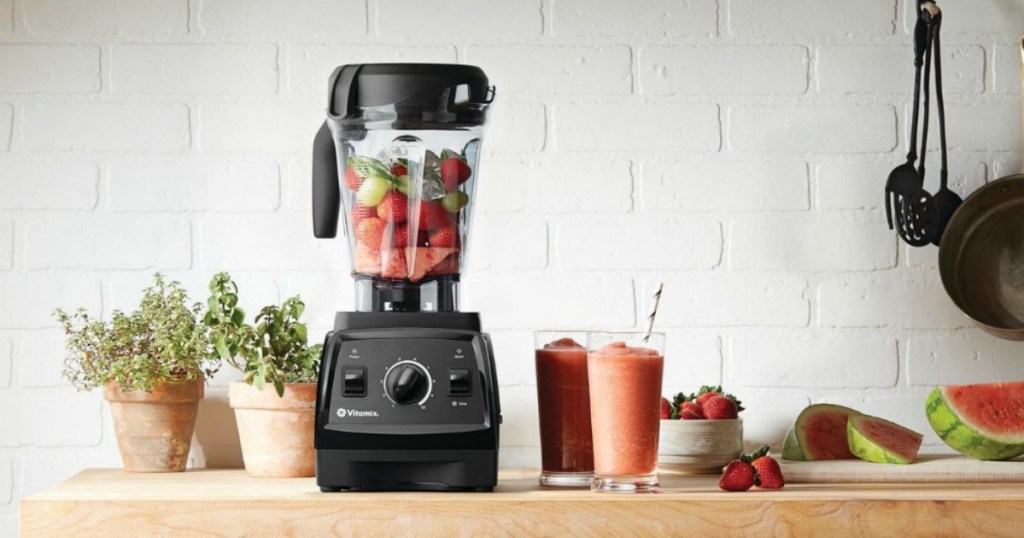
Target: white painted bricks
733 150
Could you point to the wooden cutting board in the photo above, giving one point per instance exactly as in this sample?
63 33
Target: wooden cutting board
929 468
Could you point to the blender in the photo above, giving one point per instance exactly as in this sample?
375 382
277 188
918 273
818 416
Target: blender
407 397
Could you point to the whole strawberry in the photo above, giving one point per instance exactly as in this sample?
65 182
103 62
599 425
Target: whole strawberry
689 414
720 407
767 473
707 392
693 407
738 476
666 409
453 172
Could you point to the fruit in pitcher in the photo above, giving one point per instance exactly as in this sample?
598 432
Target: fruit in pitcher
445 236
454 171
738 476
370 232
352 178
983 421
432 216
372 191
820 433
399 235
360 212
394 207
454 201
880 441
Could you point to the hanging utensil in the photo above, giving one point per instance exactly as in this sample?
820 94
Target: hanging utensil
946 201
903 181
917 218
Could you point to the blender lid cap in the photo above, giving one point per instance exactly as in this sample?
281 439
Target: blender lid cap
366 85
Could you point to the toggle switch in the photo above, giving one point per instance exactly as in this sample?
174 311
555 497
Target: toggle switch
460 383
354 382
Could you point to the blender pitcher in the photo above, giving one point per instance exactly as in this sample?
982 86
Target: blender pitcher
399 152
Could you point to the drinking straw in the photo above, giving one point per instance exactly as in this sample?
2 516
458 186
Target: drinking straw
654 312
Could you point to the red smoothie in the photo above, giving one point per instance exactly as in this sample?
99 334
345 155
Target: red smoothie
563 401
625 395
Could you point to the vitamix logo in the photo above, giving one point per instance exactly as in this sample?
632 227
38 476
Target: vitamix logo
342 413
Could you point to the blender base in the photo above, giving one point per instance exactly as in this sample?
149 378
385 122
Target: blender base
371 437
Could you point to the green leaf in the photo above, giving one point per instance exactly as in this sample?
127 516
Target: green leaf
237 317
222 348
279 387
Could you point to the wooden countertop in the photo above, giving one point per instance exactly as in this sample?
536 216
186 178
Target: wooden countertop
107 502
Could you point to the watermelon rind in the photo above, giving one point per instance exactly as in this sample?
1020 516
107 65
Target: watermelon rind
791 447
866 449
800 430
951 428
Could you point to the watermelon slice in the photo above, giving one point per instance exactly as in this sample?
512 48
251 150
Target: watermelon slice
880 441
820 433
791 447
985 422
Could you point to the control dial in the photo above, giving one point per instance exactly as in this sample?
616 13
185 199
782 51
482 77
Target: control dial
407 382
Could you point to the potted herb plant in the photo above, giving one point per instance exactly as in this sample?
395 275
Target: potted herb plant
151 364
275 404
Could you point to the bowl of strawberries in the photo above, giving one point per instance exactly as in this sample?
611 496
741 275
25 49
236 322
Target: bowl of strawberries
700 432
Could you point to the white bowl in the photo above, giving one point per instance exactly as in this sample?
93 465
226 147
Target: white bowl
699 446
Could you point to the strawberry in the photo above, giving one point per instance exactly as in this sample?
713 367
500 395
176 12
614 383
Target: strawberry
432 216
399 169
720 407
352 178
768 473
445 236
666 409
360 212
738 476
394 207
370 232
703 398
400 235
689 414
692 407
453 172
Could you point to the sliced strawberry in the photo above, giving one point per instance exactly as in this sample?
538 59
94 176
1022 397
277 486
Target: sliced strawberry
394 207
399 235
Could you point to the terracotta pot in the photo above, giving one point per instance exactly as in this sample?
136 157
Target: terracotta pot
276 432
154 429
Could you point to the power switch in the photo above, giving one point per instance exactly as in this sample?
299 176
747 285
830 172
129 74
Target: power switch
355 382
460 383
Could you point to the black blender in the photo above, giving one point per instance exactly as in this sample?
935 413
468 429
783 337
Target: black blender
407 394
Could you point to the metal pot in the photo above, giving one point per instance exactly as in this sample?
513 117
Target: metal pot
981 257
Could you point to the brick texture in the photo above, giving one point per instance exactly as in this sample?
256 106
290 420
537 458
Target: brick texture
735 151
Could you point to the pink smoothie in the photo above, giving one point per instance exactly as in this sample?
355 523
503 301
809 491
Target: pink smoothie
563 400
625 402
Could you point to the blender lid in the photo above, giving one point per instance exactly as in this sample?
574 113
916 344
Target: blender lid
412 86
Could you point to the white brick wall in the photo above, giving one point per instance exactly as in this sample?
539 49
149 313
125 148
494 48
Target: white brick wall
733 150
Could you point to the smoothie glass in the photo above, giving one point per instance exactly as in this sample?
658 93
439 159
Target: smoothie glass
563 403
625 405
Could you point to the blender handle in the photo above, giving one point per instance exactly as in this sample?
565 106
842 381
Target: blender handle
326 190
